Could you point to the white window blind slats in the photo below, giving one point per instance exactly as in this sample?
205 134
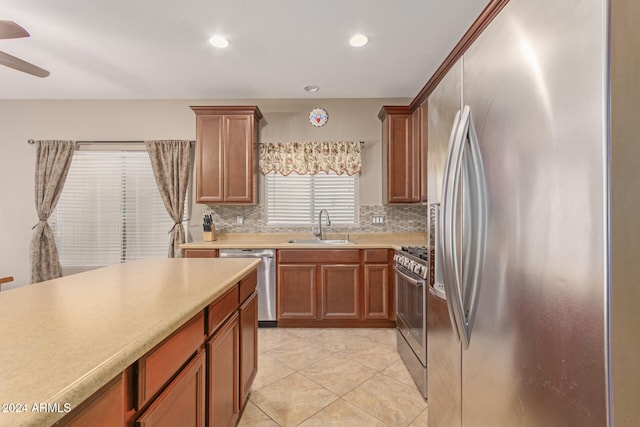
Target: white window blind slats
297 199
110 210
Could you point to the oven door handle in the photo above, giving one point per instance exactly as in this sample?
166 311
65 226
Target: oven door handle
412 280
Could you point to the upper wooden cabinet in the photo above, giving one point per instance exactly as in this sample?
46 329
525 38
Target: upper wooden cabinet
403 148
225 161
419 122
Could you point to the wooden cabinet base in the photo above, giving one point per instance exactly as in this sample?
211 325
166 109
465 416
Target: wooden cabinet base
336 323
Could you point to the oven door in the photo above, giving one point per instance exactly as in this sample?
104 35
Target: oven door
411 311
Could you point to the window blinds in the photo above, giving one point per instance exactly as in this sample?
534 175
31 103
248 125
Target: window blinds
297 199
110 210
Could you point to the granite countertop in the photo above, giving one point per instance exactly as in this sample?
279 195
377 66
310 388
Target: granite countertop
64 339
280 241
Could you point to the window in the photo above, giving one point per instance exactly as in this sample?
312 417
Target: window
110 210
297 199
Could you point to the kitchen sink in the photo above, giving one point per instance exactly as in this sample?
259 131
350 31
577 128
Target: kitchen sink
320 242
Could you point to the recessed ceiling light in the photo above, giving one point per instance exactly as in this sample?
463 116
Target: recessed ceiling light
219 41
358 40
312 88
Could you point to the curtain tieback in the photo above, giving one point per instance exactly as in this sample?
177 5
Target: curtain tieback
39 221
174 226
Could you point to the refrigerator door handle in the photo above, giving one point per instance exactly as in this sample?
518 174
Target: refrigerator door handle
438 288
477 197
445 244
464 283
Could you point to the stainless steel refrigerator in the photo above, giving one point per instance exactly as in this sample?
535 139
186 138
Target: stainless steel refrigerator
533 188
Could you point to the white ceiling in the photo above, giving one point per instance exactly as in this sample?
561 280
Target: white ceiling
158 49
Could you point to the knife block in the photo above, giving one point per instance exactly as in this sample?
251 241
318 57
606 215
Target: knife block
209 236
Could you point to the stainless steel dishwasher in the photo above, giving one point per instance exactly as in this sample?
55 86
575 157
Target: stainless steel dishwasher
266 281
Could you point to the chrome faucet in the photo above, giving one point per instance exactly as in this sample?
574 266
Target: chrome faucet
328 223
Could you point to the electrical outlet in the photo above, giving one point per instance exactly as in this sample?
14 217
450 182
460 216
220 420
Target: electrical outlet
239 220
377 219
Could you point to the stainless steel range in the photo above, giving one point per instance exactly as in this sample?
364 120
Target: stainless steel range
411 271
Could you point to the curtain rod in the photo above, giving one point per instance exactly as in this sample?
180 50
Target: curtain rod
265 143
32 142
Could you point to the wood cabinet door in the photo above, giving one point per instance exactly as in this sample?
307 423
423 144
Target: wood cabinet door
424 141
400 157
223 375
340 291
297 291
182 402
104 409
209 158
238 159
248 346
376 291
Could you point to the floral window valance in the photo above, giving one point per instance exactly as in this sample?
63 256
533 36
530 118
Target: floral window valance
311 157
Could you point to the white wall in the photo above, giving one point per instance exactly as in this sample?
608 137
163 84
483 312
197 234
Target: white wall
284 120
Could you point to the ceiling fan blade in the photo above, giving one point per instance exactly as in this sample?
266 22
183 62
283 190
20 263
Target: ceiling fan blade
20 65
11 30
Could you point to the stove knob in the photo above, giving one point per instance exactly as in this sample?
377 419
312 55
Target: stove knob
417 268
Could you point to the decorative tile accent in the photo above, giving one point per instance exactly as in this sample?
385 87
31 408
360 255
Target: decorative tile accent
397 218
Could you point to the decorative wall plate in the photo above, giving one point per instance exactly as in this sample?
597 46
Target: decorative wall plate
318 117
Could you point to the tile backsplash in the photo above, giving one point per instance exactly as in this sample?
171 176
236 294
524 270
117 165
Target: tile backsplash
397 218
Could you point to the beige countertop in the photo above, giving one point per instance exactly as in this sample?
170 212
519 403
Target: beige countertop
280 241
64 339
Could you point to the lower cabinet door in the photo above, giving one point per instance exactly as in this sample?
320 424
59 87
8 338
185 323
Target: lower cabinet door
182 402
224 395
248 345
297 291
103 409
340 291
376 291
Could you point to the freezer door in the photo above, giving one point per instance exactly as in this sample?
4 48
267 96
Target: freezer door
443 347
535 83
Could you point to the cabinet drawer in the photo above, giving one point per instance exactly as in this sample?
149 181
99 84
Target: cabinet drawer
222 308
376 256
159 365
200 253
248 285
320 256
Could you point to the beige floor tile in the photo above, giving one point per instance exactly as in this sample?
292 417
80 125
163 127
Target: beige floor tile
372 354
252 416
270 370
385 336
336 340
338 374
292 400
398 371
421 421
269 338
342 414
394 403
305 332
298 354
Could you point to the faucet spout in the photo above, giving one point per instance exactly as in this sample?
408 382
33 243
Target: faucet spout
328 223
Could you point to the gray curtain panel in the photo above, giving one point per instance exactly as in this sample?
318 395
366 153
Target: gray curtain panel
170 162
53 159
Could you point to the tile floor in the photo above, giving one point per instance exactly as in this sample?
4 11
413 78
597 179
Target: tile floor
332 377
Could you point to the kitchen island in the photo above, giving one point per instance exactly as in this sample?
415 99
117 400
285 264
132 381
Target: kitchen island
65 339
